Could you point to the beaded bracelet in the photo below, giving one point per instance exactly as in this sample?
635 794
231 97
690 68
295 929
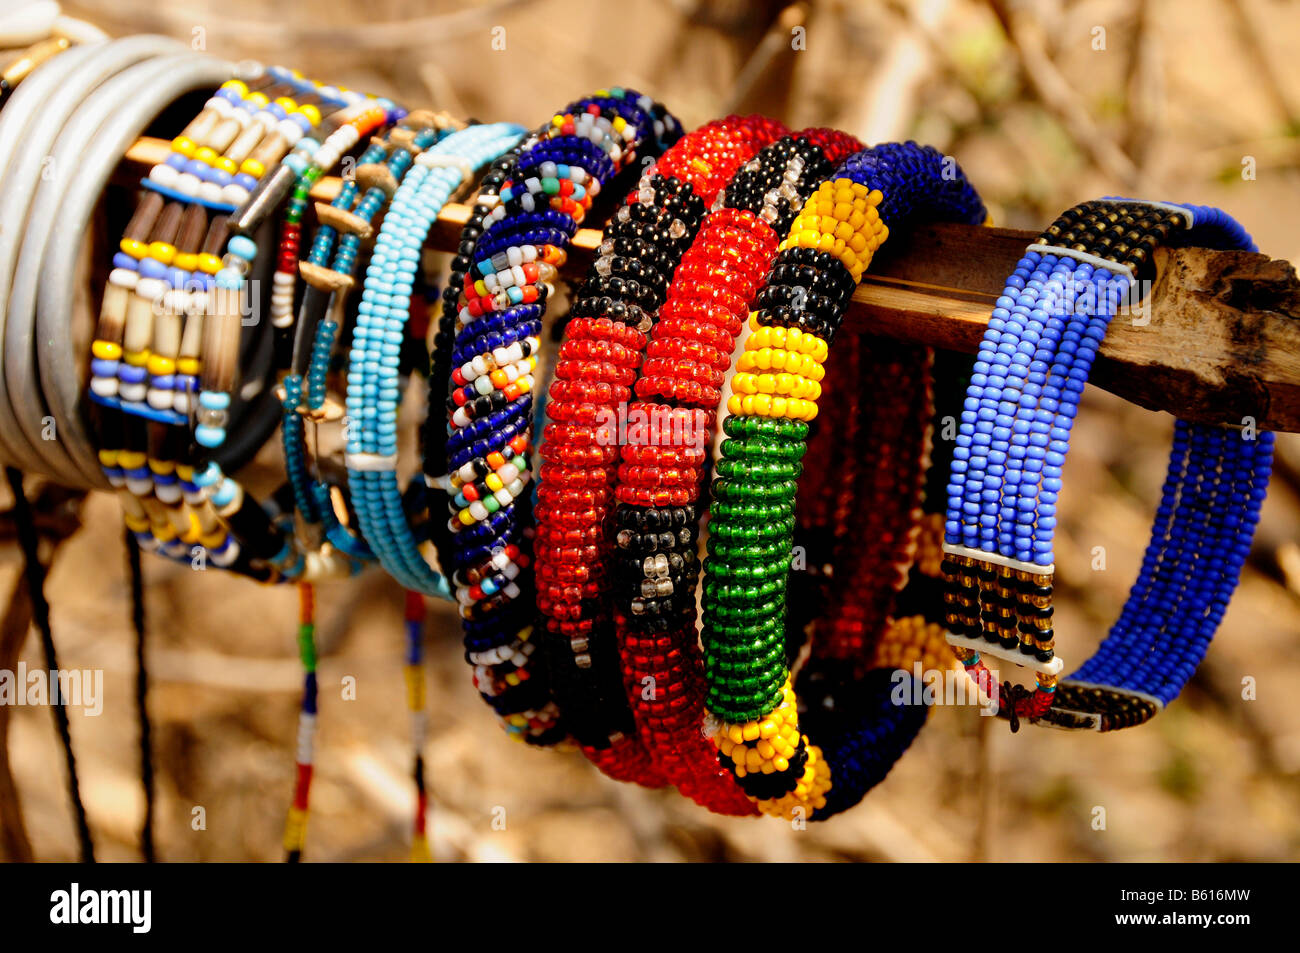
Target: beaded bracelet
828 248
659 480
508 253
176 504
323 308
373 394
88 151
1024 394
603 344
180 493
148 254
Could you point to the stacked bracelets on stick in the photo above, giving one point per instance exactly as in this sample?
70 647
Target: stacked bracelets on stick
1006 479
710 311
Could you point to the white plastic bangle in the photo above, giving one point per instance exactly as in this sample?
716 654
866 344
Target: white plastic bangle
28 172
22 107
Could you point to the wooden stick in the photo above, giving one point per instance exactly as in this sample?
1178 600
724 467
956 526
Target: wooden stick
1217 339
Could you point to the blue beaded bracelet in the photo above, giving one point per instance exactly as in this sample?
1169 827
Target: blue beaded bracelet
1005 480
372 390
312 496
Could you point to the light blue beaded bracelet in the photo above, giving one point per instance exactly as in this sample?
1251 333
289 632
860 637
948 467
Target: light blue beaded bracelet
373 392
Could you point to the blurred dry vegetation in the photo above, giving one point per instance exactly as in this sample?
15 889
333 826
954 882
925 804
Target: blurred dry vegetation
1044 104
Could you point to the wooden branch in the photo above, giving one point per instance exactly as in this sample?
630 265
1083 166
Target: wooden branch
1216 341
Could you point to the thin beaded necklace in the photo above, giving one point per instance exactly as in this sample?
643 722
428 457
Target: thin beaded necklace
323 307
295 825
418 707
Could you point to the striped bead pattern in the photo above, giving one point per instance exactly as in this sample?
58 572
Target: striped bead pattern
829 246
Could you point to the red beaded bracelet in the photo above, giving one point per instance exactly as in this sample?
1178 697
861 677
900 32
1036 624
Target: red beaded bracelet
596 367
689 352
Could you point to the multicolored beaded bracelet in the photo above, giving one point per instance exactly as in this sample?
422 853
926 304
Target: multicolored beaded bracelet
1028 379
508 255
140 437
828 248
604 340
678 394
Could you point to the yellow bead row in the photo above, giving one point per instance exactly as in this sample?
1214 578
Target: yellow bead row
766 405
791 339
784 384
809 793
913 639
414 687
781 360
796 356
841 218
295 829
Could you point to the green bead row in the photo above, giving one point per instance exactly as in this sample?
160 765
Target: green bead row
736 531
739 492
761 471
728 550
759 644
778 427
750 551
762 448
725 513
746 614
